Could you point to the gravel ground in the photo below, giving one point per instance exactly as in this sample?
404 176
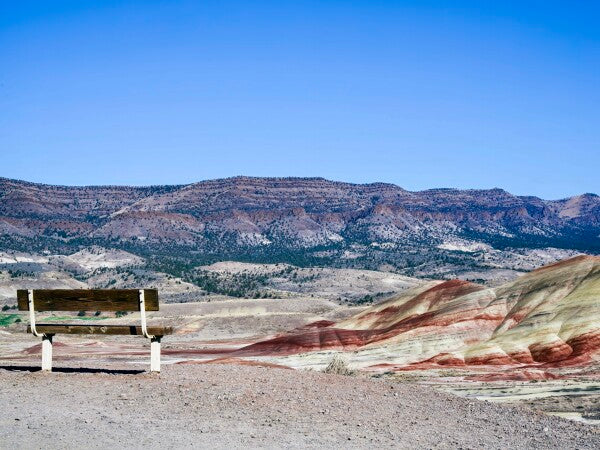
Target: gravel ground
220 406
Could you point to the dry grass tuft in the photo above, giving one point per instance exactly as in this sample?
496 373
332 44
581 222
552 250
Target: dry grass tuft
339 366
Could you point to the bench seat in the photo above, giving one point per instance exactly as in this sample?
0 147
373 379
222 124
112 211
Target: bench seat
137 300
67 328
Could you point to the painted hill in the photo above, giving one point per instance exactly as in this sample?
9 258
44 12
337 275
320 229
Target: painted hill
549 317
553 316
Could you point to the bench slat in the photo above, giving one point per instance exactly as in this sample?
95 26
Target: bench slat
87 299
131 330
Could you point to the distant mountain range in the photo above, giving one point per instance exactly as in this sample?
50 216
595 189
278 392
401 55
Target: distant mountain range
304 221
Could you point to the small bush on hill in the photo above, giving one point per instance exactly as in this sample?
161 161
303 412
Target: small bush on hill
338 366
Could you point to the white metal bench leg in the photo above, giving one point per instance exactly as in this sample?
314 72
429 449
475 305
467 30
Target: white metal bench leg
154 340
155 354
47 352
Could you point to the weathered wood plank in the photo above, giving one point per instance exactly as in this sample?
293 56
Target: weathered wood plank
131 330
87 299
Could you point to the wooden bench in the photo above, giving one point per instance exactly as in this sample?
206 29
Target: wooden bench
141 300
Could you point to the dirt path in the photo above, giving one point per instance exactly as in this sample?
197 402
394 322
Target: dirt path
239 406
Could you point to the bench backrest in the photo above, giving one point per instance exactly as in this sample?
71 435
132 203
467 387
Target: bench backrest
87 299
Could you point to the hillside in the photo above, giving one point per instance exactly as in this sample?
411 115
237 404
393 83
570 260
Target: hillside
472 234
548 318
98 267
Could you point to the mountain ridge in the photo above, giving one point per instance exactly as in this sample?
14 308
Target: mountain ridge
286 178
306 221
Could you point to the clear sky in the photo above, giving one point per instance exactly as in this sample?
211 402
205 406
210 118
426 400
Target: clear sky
421 94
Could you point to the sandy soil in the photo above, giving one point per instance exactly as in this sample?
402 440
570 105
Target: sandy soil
222 406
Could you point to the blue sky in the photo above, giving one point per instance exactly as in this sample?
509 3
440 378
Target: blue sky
421 94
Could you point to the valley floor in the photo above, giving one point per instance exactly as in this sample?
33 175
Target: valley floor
218 406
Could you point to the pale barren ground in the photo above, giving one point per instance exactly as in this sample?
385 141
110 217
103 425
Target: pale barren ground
231 406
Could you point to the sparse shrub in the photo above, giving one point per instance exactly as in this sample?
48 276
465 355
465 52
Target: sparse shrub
338 366
365 299
5 308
